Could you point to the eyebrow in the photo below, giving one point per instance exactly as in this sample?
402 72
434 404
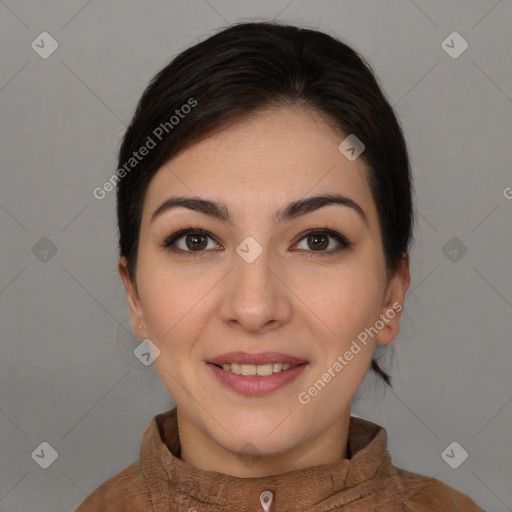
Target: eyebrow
291 211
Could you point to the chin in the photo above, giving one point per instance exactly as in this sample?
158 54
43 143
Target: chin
260 438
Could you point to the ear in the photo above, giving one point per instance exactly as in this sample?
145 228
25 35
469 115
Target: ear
393 303
134 304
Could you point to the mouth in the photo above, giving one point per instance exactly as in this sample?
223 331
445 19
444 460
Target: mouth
256 374
262 370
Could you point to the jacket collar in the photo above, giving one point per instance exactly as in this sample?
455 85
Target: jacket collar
166 475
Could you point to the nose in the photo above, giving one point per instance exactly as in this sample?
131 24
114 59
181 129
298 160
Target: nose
256 298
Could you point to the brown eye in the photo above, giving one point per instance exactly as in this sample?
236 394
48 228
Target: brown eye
319 240
196 241
190 242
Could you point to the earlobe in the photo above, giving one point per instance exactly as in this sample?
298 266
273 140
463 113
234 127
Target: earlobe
393 304
132 296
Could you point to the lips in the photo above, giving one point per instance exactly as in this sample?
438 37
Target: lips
248 374
256 385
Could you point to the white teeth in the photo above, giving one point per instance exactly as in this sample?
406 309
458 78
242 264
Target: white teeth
257 369
264 369
248 369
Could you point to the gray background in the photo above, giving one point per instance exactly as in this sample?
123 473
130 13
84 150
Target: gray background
68 375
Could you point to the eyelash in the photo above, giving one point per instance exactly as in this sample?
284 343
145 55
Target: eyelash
171 240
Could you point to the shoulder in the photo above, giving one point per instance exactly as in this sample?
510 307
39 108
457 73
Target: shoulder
124 492
423 494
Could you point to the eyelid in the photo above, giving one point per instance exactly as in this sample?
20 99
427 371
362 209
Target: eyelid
172 239
341 239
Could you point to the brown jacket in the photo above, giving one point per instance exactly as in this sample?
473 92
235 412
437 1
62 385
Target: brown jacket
161 482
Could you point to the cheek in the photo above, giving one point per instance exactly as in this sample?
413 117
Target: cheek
173 310
174 317
346 301
341 301
175 303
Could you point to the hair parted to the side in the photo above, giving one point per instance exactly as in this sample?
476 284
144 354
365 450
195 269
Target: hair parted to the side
249 67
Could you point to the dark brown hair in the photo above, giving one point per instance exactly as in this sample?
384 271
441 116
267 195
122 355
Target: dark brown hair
249 67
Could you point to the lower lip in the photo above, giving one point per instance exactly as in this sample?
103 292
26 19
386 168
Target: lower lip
256 385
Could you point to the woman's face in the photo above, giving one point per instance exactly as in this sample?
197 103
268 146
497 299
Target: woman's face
256 285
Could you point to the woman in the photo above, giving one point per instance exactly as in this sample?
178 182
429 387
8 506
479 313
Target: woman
265 218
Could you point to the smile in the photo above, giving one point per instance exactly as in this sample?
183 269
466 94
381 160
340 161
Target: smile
256 380
259 369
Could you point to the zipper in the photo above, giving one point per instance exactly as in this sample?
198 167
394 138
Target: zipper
266 498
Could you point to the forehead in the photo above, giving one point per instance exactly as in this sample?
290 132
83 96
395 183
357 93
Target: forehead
262 162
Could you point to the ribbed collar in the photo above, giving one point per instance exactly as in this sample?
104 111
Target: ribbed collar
315 488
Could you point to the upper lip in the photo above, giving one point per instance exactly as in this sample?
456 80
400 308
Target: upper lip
256 359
